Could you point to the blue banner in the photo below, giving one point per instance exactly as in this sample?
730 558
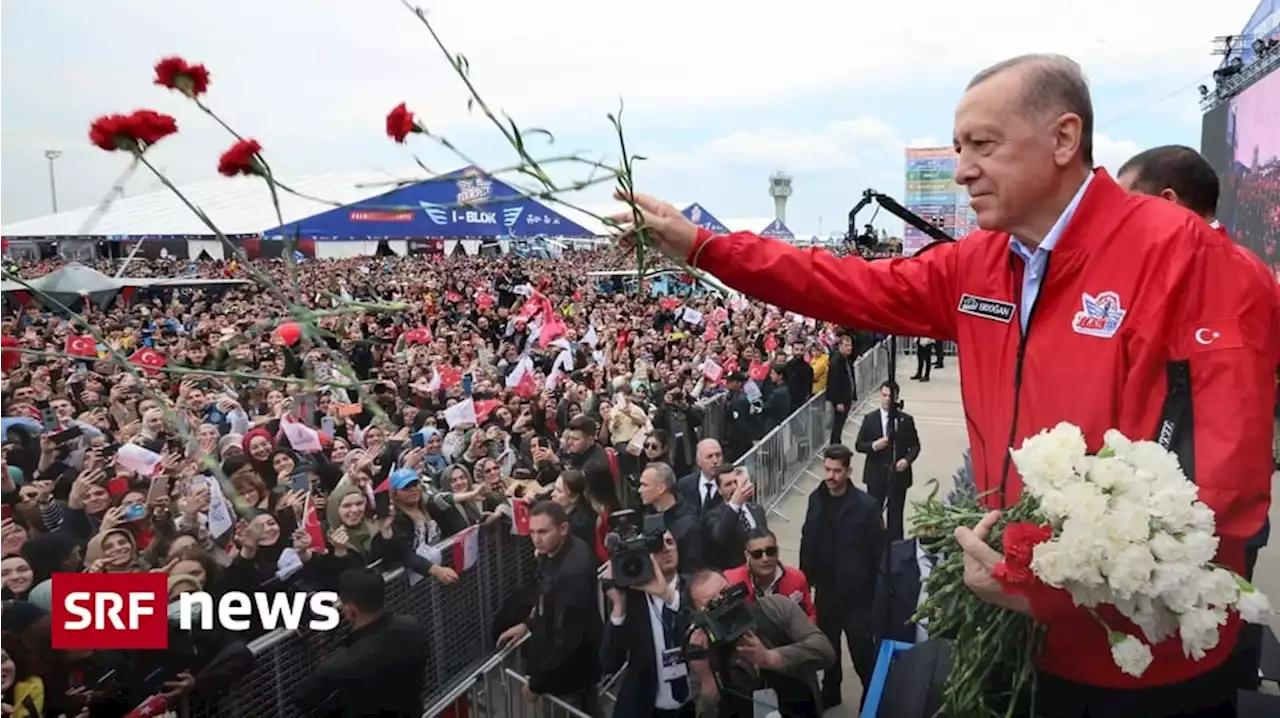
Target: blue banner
777 230
701 217
461 205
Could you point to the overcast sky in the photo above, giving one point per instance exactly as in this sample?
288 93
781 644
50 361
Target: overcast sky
718 93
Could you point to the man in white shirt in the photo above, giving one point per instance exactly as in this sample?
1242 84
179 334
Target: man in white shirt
700 489
727 524
646 633
889 439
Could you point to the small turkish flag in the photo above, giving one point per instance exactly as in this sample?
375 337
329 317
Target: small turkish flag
527 388
147 357
452 297
466 549
519 517
484 408
421 335
450 377
81 346
484 301
152 707
758 371
311 524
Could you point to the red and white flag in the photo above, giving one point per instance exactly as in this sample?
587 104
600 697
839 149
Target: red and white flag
311 524
421 335
519 517
466 549
521 379
147 357
712 371
81 346
553 328
301 437
152 707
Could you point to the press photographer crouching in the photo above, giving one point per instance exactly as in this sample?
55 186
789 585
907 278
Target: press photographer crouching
747 655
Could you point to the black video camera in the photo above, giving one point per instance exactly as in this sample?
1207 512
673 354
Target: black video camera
726 618
632 540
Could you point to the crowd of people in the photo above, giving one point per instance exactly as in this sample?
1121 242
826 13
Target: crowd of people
335 413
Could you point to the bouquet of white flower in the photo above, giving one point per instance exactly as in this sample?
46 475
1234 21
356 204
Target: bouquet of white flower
1123 528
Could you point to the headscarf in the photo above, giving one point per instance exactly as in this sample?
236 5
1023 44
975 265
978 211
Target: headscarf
94 551
360 535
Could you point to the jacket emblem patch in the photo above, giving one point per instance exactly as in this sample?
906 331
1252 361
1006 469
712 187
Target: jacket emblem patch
1101 316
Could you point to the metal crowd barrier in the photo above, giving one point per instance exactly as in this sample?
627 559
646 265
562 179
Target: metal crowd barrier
459 620
907 346
777 461
712 416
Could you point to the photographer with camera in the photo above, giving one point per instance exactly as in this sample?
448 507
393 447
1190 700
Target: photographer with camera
660 497
646 629
762 653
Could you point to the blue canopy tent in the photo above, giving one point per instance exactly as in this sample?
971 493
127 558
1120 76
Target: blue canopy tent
460 205
778 230
701 217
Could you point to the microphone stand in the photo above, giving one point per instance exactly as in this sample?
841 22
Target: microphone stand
893 207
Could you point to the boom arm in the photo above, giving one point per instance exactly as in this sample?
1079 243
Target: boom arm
892 207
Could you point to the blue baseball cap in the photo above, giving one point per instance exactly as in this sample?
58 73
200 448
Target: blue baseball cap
403 478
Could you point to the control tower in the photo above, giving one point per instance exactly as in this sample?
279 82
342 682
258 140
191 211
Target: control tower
780 190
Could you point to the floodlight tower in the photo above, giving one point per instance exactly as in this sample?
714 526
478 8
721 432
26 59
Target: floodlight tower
780 190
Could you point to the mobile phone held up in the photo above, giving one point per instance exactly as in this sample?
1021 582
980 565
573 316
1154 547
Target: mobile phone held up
382 504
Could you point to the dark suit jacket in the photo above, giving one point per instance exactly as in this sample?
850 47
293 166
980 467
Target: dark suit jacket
840 381
632 644
690 488
905 444
726 538
897 594
685 527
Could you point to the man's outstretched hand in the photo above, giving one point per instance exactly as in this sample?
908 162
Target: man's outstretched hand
672 233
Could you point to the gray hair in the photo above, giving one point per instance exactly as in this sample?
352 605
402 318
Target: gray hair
1051 83
664 473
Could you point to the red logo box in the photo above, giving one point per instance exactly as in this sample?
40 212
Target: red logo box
104 611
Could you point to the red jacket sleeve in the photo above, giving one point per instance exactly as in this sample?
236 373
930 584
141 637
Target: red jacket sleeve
1225 326
806 601
914 296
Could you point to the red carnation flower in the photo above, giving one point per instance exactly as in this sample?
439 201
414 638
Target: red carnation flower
241 159
1019 541
133 133
176 73
400 123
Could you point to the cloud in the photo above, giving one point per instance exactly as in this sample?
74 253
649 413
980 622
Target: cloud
1111 153
848 144
313 80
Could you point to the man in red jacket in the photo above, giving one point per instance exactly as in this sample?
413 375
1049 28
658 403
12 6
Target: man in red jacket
1182 176
1076 302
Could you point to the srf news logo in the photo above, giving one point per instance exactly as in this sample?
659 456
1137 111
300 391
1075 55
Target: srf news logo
130 611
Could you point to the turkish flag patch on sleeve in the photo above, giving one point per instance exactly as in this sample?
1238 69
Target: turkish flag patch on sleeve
1212 335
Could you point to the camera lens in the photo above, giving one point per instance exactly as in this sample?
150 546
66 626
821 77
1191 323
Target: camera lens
630 566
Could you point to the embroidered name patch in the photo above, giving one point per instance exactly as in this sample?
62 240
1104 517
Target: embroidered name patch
986 308
1101 316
